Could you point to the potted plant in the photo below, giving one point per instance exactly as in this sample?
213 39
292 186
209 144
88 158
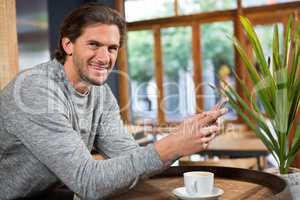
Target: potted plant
276 85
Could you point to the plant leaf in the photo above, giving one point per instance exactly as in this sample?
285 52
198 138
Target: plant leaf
268 137
262 63
295 57
292 154
257 132
287 43
295 101
275 50
263 91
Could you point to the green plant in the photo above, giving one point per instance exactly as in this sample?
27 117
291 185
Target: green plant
277 87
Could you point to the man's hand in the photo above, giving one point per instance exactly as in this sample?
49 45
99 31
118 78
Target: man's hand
193 135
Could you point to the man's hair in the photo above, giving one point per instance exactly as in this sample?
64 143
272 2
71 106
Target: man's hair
87 14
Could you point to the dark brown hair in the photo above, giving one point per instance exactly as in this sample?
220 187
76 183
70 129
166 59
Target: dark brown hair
87 14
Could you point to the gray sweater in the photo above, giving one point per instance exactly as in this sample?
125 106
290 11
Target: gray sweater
47 131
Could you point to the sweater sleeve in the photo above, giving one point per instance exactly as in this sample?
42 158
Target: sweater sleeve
40 121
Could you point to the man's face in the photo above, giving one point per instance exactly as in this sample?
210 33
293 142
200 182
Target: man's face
94 53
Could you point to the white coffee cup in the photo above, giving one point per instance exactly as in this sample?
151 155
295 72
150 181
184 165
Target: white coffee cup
198 183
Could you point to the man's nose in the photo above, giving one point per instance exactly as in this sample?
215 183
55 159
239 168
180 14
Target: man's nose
103 55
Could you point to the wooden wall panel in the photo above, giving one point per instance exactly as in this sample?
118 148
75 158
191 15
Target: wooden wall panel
9 59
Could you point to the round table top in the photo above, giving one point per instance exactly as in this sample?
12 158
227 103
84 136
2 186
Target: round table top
236 186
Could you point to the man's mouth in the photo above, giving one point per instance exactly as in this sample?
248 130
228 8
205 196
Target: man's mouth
99 67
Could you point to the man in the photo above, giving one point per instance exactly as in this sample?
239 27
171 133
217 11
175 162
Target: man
53 114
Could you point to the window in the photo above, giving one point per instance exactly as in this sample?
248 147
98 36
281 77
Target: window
136 10
179 93
265 35
141 73
189 56
197 6
217 59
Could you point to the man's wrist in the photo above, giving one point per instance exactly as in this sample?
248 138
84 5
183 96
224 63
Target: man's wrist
167 150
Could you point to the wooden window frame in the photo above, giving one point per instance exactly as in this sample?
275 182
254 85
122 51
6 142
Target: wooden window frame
265 14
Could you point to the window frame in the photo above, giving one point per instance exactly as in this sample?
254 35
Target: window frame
266 14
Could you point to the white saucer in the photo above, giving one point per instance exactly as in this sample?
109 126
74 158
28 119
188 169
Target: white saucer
182 194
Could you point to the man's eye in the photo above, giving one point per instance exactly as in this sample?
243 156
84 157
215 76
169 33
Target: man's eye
93 46
113 49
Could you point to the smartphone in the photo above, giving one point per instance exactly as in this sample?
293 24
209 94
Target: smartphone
221 103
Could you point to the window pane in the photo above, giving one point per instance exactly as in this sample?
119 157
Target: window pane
179 92
141 73
32 28
249 3
218 60
196 6
265 35
136 10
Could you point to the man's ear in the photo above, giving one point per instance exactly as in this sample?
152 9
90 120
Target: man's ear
67 45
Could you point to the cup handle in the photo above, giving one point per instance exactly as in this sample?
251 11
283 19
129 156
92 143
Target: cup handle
195 186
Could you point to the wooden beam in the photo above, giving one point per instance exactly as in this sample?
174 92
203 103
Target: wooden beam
157 51
260 12
9 58
176 8
119 6
123 85
267 20
239 67
182 20
274 9
197 58
123 74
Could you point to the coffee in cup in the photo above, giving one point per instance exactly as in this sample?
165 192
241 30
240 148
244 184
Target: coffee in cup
198 183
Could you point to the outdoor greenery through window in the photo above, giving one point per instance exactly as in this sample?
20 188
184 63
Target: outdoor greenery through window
217 58
177 45
179 92
265 33
141 73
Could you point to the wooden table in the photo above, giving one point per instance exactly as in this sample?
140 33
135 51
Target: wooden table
237 184
238 143
237 146
234 143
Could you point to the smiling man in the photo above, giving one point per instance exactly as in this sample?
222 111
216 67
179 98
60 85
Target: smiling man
52 115
92 56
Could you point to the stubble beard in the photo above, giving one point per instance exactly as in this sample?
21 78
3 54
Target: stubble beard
80 66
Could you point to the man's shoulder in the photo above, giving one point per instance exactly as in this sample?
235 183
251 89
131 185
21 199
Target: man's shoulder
49 70
46 73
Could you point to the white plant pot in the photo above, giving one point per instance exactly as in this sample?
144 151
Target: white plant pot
292 179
